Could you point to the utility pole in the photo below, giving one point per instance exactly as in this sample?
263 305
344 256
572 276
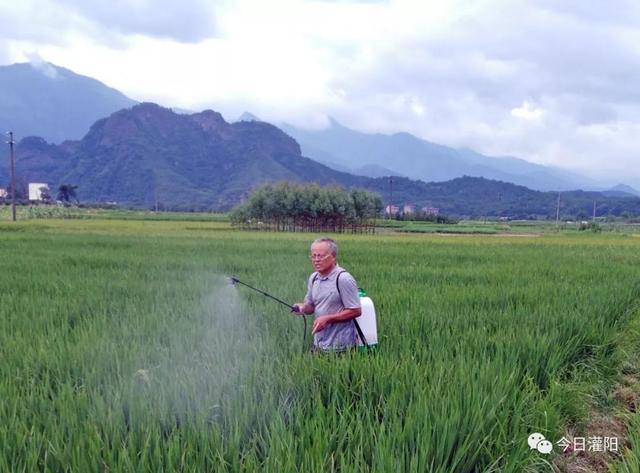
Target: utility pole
13 176
390 196
558 212
155 194
594 210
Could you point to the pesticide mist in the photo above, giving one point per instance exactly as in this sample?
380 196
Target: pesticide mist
198 368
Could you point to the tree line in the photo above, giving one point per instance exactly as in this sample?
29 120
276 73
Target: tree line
295 207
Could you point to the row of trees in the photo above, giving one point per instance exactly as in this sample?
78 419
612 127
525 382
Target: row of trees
293 207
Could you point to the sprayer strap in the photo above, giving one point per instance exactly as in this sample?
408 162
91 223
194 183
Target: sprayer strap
355 322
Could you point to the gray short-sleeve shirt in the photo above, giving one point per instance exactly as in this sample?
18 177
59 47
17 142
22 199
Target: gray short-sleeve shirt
323 294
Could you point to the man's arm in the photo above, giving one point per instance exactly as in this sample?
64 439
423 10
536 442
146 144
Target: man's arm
306 307
320 323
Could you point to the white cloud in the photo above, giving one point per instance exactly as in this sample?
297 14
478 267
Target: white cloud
527 111
554 82
41 65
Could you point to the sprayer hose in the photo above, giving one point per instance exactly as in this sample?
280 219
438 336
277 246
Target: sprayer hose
304 334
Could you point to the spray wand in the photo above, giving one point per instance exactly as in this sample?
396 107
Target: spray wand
234 281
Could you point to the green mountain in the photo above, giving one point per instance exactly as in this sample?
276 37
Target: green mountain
476 196
148 155
53 102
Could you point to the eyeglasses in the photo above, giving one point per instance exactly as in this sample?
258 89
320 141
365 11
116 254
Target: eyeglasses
319 257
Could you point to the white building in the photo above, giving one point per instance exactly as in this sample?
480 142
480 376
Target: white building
391 210
36 189
409 209
430 210
3 194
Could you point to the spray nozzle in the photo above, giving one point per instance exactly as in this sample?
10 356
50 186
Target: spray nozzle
233 280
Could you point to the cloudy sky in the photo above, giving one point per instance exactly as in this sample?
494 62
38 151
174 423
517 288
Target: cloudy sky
554 82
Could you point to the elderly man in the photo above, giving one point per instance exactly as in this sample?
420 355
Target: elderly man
332 296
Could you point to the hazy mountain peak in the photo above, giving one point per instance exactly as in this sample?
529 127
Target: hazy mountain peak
409 155
40 98
248 117
625 189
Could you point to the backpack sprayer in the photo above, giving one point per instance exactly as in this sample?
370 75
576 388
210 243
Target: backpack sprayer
365 324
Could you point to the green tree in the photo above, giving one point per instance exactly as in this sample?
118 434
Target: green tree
45 195
296 207
67 192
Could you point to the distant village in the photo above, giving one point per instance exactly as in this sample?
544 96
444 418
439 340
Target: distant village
409 209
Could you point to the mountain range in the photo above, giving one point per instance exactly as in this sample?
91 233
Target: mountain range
42 99
148 156
404 154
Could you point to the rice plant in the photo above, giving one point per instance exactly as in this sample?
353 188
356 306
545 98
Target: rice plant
123 349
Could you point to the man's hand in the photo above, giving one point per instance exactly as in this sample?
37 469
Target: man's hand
322 322
302 308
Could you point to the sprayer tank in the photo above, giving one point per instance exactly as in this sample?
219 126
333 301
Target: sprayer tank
367 320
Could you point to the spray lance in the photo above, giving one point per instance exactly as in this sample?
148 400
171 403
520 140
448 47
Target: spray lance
235 281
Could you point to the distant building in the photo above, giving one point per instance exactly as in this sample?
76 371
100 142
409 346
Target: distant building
391 210
37 189
3 194
409 209
430 210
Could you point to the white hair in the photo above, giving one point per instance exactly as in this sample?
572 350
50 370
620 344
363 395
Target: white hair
331 243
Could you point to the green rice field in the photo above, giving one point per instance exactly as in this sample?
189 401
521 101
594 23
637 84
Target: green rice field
123 349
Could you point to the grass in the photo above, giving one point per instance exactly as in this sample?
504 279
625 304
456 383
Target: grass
520 227
24 212
123 349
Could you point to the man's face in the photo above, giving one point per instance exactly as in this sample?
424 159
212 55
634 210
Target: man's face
321 257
